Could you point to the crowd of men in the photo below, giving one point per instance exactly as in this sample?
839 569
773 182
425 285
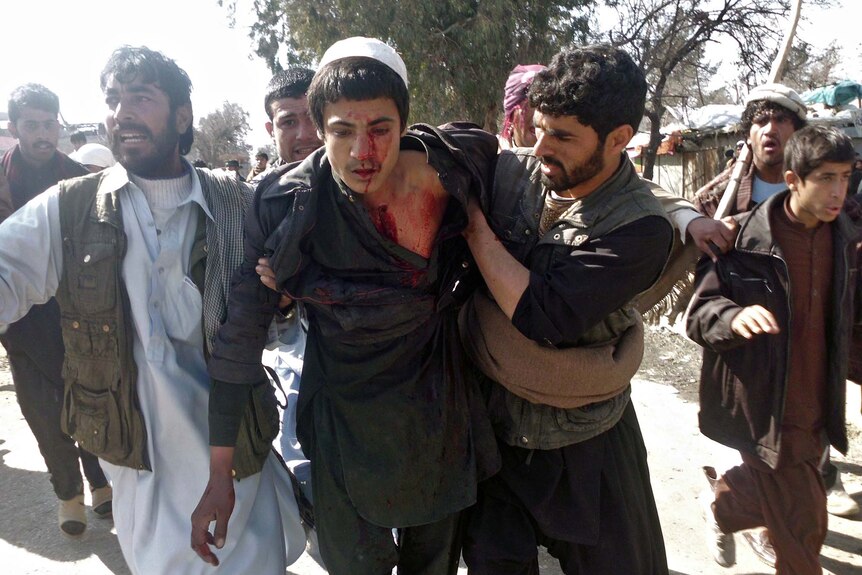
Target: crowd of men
450 315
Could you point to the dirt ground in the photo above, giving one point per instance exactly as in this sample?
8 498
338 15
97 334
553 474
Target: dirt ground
665 396
673 359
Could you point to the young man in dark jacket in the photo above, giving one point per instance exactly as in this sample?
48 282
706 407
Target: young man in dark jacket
774 317
33 343
366 234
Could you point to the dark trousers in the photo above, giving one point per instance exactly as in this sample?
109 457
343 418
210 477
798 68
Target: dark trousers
351 545
41 399
828 471
597 497
789 501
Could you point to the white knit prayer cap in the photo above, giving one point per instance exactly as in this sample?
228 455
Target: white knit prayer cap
369 48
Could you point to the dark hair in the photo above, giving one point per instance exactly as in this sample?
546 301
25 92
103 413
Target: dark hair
600 85
199 163
78 137
356 78
290 83
32 96
263 155
757 107
812 146
130 63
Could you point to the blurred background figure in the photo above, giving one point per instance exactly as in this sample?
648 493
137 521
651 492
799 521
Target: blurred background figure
78 139
233 166
518 130
855 178
94 157
260 164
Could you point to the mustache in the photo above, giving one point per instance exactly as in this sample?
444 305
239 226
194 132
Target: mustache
551 161
132 128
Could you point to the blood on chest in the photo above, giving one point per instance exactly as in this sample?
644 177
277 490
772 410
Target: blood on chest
411 220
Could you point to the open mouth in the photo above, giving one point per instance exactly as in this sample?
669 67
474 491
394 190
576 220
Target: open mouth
770 145
304 151
132 137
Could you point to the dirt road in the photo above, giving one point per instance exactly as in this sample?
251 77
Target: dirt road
664 395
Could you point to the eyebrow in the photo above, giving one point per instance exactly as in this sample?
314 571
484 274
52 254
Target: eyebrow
137 88
374 122
556 132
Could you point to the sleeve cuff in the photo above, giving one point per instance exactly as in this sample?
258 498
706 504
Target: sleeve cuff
681 219
227 406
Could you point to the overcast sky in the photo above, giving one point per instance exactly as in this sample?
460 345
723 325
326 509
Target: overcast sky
64 44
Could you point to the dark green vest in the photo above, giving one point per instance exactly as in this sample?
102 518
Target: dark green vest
515 215
101 410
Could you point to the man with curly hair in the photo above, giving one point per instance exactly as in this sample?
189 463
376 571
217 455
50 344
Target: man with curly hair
773 112
569 236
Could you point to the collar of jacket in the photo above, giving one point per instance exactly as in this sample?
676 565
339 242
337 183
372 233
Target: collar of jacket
586 210
106 208
755 235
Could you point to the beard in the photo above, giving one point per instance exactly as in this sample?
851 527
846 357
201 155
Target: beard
571 176
146 162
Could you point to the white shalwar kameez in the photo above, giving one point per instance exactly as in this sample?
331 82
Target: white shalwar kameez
152 510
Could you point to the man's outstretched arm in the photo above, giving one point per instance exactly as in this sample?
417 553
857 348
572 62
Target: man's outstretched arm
31 257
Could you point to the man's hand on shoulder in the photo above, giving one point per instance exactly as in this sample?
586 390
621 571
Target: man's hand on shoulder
713 237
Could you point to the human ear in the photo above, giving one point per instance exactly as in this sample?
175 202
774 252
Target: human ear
618 138
183 118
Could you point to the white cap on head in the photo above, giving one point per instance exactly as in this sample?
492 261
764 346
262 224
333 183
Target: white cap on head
368 48
781 95
93 155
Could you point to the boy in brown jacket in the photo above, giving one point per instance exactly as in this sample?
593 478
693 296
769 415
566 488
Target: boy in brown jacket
772 318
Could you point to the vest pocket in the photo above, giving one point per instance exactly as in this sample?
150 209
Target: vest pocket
92 418
90 270
92 410
85 338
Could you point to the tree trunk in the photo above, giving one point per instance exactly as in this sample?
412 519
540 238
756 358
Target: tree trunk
649 154
776 73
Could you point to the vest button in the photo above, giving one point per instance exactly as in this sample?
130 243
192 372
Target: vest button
523 440
556 236
106 328
86 258
526 232
465 264
75 325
